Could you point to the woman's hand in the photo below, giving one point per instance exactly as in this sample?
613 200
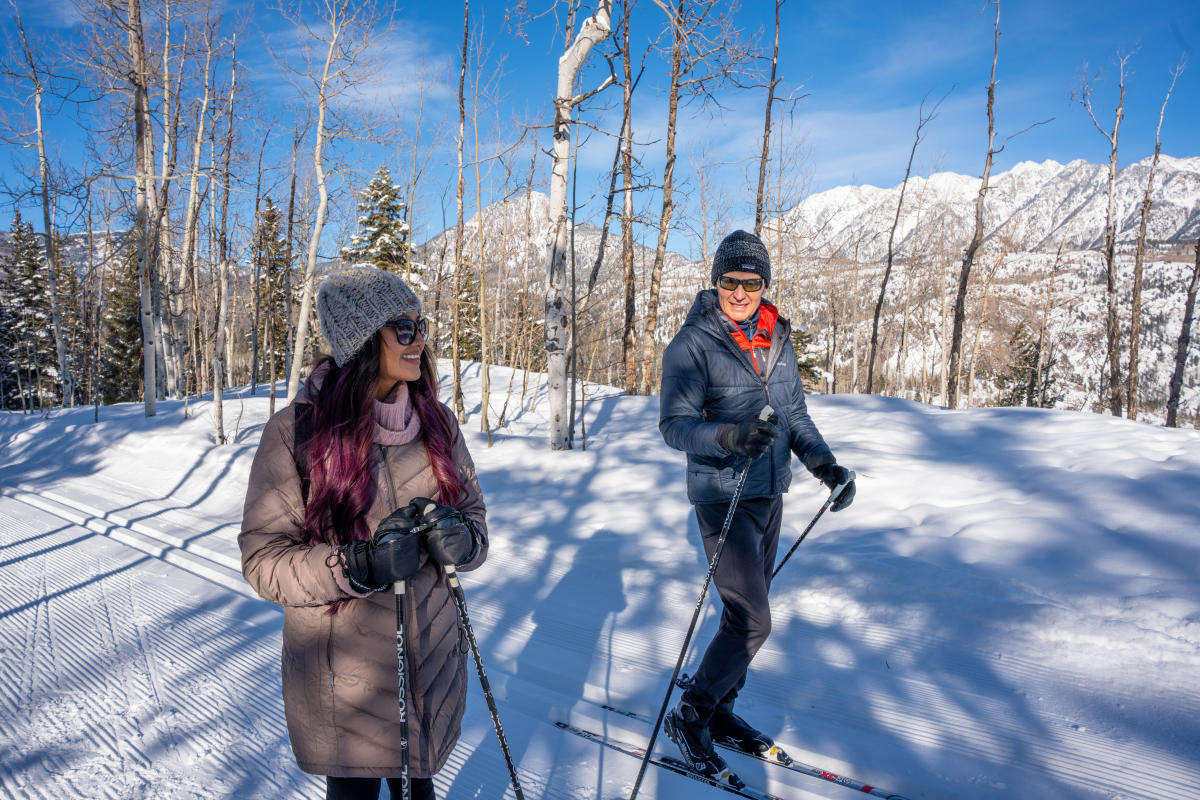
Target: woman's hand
449 536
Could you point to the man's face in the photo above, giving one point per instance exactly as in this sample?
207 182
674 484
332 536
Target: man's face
737 303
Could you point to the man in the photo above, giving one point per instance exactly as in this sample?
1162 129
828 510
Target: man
732 357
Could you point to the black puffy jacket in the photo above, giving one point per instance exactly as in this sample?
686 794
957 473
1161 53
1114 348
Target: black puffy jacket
707 380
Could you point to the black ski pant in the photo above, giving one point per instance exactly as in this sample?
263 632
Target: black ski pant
743 580
368 788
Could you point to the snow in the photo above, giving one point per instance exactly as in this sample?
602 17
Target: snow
1010 609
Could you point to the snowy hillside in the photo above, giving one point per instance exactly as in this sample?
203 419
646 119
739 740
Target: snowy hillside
1036 207
1010 609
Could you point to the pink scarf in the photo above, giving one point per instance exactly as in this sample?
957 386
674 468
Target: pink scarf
395 419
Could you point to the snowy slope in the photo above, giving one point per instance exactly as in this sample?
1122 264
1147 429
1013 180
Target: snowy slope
1010 609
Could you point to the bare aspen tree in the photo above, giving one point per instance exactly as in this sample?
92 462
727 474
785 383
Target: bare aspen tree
298 134
171 372
143 180
347 30
704 51
772 82
459 266
1083 96
485 352
191 217
1135 312
964 275
628 275
593 30
923 119
34 76
1035 390
988 276
1182 344
220 364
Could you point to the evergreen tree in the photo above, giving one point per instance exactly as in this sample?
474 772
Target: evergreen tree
75 330
9 397
28 341
382 238
1023 384
271 250
806 360
120 378
470 344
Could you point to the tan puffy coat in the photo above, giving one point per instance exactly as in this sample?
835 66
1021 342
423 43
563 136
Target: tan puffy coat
339 670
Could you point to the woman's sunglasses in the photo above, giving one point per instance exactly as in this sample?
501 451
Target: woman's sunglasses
407 328
730 284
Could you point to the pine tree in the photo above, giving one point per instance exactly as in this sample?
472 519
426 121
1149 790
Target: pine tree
120 378
75 330
9 397
28 340
806 361
382 238
272 253
470 346
1022 384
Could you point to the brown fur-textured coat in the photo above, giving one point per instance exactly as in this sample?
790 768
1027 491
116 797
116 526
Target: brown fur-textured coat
339 670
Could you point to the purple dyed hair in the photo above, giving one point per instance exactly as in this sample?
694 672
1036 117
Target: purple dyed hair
341 483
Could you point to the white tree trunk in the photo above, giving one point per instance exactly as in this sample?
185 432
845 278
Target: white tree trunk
594 30
310 267
142 176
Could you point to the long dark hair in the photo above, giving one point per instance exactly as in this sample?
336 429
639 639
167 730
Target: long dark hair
341 482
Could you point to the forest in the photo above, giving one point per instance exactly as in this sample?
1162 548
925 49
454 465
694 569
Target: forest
184 216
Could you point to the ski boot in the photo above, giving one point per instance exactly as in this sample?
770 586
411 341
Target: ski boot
729 729
687 727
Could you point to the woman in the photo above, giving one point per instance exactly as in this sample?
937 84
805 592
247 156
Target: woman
372 437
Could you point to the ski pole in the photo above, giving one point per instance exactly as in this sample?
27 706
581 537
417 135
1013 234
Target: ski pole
402 679
764 415
460 600
837 491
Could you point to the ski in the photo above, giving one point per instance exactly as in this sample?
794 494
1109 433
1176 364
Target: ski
666 762
794 766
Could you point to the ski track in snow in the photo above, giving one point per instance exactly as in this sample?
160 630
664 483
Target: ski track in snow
136 664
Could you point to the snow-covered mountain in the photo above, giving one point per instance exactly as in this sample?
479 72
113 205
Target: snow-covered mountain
1033 207
830 250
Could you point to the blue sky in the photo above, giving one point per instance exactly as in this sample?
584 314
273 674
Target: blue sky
864 68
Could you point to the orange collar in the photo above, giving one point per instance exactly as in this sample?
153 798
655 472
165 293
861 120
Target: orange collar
767 317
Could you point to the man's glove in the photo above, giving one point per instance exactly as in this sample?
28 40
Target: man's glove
834 476
393 554
750 437
449 536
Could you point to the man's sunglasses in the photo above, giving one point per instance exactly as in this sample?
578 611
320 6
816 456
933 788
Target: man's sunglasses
730 284
407 328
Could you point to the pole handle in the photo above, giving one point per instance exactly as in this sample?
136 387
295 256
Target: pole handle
766 413
841 487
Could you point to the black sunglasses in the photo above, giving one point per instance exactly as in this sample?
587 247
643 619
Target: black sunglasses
407 328
730 284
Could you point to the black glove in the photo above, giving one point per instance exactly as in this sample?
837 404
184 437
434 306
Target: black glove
749 438
449 536
834 476
393 554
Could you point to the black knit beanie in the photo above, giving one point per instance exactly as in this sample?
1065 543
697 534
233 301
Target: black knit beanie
742 252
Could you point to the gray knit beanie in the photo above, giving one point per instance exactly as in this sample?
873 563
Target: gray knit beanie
742 252
354 303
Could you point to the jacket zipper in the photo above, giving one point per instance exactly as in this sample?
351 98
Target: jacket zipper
762 377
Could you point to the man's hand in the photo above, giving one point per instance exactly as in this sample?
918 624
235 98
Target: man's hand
750 437
834 476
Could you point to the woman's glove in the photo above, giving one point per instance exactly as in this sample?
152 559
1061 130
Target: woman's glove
393 554
834 476
449 536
